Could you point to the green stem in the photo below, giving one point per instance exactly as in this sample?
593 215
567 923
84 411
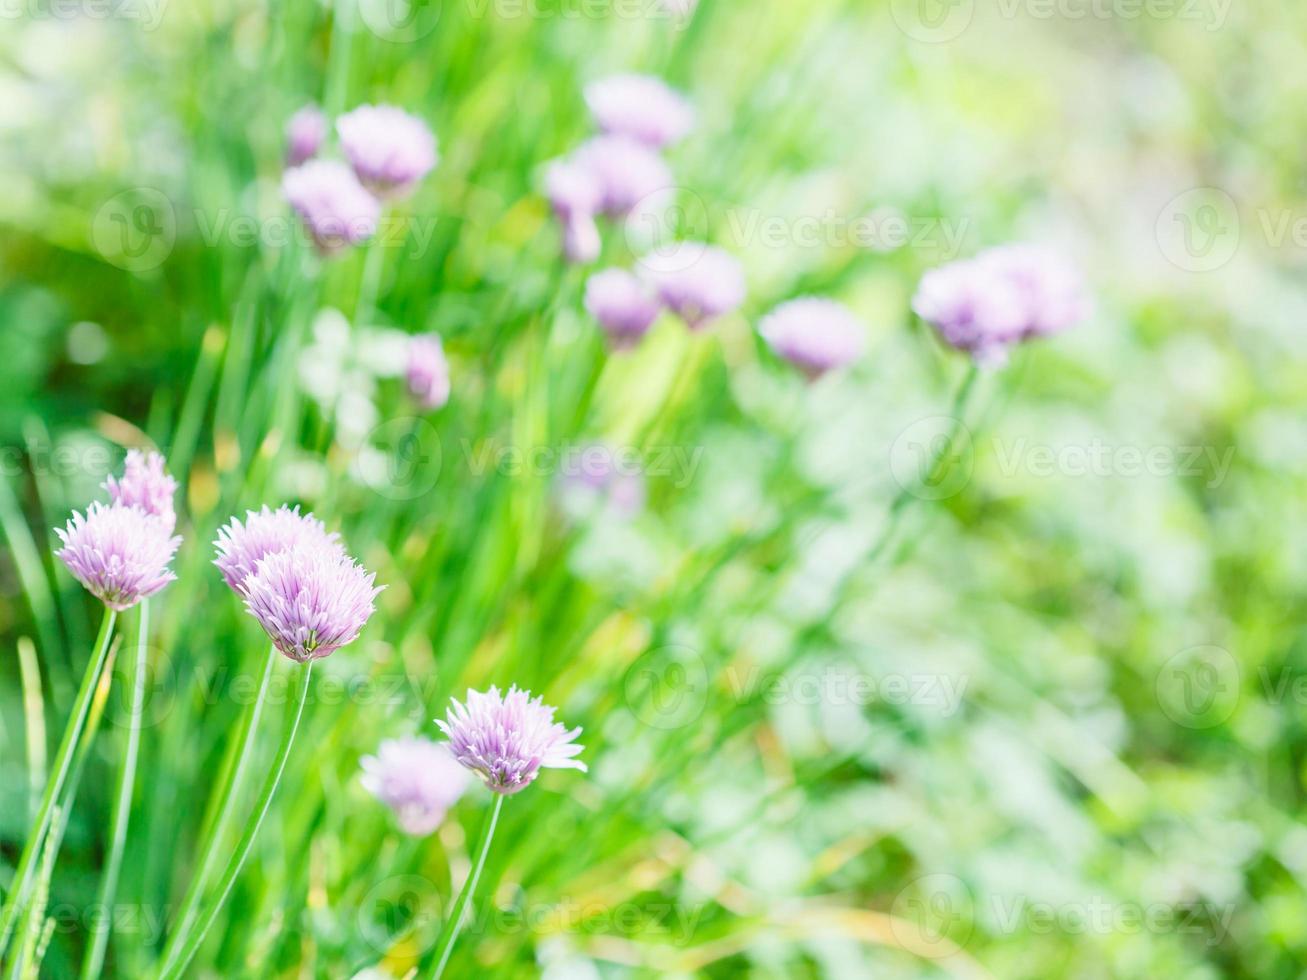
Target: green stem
449 934
63 759
237 863
122 804
216 829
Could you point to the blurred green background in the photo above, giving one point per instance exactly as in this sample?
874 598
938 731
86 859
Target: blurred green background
1050 727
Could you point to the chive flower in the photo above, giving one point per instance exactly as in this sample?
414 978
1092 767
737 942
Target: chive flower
427 372
146 486
575 197
119 553
640 106
336 209
416 778
629 176
311 599
816 335
305 132
389 149
506 739
698 282
241 546
623 304
1005 295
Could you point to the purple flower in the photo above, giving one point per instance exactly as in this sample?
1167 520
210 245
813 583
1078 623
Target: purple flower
700 282
816 335
146 486
507 739
266 532
337 210
1003 296
417 778
389 149
428 371
311 599
641 107
304 135
623 304
119 553
575 196
627 174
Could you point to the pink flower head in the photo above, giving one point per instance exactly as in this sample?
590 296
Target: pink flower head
641 107
581 241
700 282
119 553
337 210
506 739
266 532
428 371
623 304
389 149
311 599
628 175
572 189
816 335
146 486
417 778
304 135
1004 295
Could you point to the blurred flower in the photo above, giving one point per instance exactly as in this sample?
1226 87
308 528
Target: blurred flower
816 335
624 305
575 196
146 486
428 371
311 599
337 210
700 282
304 135
629 176
1004 295
265 532
599 479
389 149
507 739
119 553
640 106
417 778
581 241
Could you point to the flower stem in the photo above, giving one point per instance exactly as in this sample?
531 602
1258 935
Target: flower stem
175 969
449 934
122 804
17 896
228 793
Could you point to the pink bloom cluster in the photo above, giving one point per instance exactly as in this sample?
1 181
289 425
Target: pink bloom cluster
1003 296
388 152
307 593
815 335
506 739
620 172
417 778
121 552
